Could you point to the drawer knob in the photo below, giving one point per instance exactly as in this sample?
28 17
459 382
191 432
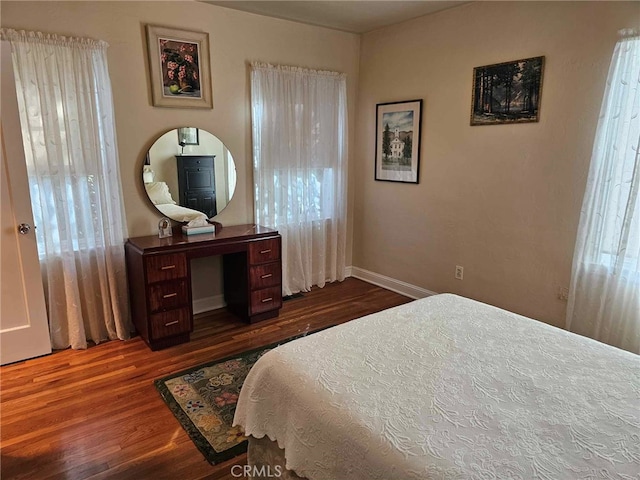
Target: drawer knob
267 300
169 295
266 275
167 267
171 323
265 251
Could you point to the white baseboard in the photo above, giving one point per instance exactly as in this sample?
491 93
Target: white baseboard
389 283
207 304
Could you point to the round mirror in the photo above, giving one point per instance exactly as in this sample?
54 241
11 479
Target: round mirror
189 174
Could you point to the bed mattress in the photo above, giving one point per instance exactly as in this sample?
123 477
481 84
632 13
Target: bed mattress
449 388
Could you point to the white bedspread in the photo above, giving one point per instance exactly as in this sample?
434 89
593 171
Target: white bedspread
447 388
180 214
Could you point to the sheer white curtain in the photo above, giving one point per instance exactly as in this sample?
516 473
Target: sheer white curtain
604 299
66 114
300 169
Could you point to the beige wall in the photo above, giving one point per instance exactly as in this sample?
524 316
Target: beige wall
236 38
503 201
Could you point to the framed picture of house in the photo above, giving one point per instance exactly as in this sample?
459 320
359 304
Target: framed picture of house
398 127
507 92
179 68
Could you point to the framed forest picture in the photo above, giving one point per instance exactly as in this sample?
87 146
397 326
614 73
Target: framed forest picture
507 92
398 127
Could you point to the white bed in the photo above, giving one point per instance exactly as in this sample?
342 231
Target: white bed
179 213
161 197
446 388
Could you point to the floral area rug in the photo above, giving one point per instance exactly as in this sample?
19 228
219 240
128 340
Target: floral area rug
203 399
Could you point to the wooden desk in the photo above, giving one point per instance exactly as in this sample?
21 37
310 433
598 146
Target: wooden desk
159 272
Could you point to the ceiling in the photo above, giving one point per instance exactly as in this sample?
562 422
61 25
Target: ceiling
349 16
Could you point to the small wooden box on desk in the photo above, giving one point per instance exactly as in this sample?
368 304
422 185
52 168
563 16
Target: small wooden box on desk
159 272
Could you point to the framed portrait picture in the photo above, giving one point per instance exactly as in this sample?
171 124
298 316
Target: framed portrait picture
398 127
507 92
179 68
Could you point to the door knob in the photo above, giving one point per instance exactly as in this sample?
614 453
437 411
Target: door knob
24 228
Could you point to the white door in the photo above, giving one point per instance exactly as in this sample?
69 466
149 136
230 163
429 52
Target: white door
24 329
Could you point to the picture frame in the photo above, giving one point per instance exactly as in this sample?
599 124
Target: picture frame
164 228
507 92
188 136
398 133
179 68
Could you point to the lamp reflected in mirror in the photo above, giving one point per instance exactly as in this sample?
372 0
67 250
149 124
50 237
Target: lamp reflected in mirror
189 175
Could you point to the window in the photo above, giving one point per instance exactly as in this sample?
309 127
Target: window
66 116
299 160
604 297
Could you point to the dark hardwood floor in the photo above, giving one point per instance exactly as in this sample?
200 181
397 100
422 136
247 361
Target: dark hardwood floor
96 414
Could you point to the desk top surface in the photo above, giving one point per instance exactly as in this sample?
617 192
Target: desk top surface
178 240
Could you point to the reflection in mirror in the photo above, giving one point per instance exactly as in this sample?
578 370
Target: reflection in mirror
189 175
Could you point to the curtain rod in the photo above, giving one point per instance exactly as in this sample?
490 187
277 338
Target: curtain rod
289 68
49 38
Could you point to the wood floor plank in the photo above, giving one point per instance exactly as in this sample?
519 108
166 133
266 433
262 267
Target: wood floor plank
95 414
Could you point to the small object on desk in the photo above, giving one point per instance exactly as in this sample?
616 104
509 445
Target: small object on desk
196 230
164 228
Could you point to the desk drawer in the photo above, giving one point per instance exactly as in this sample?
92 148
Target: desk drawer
264 251
263 276
168 295
166 267
173 322
266 299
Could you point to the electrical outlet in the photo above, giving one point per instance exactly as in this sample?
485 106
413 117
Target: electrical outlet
563 293
459 272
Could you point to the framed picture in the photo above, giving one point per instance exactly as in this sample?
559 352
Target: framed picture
164 228
188 136
507 92
398 127
179 68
